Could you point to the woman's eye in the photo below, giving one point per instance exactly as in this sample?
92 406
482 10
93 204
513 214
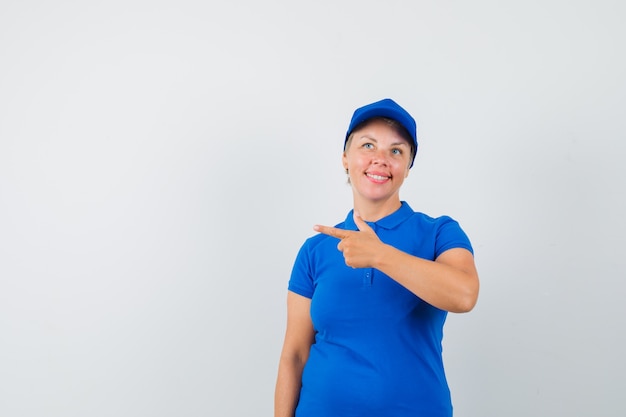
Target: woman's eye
368 145
396 151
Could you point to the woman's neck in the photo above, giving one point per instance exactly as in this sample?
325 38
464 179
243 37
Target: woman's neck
373 211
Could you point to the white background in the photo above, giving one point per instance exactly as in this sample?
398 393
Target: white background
161 162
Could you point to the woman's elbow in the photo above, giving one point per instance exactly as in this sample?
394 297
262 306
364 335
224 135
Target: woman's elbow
467 299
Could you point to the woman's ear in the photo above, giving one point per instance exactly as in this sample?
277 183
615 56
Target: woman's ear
344 161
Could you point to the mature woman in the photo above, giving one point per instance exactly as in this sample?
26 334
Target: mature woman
368 298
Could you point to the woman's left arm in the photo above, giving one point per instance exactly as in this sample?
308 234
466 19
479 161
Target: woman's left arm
449 283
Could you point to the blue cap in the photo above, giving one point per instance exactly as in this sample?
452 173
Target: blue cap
384 108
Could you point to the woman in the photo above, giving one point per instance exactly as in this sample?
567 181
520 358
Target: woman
368 298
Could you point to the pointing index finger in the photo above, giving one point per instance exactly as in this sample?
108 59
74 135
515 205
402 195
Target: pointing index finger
332 231
360 223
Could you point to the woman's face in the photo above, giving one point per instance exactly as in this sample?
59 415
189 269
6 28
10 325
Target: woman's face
377 159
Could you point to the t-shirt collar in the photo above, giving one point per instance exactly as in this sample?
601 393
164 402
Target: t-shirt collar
388 222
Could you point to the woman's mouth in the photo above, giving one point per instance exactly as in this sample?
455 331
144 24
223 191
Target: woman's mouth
377 177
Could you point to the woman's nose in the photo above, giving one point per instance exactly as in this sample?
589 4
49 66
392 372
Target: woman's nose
379 157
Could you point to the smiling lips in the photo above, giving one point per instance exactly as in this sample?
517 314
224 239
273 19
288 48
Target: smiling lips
377 177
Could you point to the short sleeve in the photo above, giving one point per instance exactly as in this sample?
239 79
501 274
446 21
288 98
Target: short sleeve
450 236
301 281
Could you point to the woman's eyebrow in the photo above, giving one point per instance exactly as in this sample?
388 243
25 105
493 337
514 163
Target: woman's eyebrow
366 136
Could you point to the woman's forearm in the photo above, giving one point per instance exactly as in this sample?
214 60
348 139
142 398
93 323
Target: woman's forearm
450 283
288 386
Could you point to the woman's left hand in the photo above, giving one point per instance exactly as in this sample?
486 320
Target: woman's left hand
359 248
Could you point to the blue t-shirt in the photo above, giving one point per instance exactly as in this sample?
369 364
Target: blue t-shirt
377 349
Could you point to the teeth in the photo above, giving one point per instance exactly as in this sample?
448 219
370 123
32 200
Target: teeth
377 177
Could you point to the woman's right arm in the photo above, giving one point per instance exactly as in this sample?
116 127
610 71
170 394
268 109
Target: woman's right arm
299 337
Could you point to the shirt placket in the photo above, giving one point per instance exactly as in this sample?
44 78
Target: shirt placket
368 273
367 277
